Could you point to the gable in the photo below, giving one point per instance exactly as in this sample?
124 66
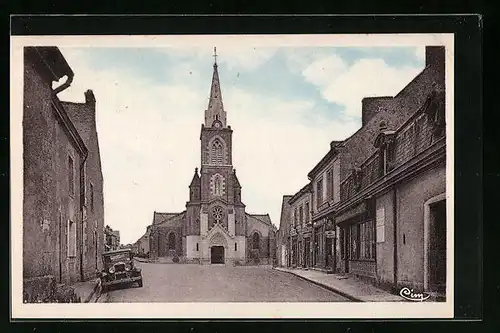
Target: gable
168 219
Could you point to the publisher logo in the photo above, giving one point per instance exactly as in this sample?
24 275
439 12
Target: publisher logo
411 295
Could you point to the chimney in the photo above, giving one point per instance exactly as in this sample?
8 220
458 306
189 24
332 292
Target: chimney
435 57
89 97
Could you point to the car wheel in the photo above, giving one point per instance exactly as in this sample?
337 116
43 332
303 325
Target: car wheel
140 283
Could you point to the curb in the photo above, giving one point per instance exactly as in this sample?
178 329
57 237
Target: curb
341 293
95 294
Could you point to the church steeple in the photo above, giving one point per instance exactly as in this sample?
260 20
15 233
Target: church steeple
215 114
195 187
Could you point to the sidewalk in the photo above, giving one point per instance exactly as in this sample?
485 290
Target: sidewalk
88 291
347 286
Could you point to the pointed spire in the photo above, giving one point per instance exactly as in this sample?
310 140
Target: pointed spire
215 110
236 182
196 179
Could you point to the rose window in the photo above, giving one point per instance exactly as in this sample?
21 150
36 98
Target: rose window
217 214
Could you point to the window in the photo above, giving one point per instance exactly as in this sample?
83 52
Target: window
307 212
197 247
85 247
217 152
171 241
362 241
71 176
329 184
217 185
354 251
91 197
295 217
217 214
236 246
301 215
366 240
255 241
71 238
319 192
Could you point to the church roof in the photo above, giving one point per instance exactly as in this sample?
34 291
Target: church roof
162 217
236 182
264 218
196 179
215 101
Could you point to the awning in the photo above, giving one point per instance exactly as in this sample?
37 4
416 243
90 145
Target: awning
356 210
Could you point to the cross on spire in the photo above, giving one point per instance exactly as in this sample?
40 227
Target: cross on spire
215 55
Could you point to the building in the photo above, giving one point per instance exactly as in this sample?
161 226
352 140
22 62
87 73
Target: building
283 234
396 208
63 199
301 237
112 239
379 196
142 244
214 227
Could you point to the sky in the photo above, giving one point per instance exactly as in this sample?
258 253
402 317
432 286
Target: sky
284 104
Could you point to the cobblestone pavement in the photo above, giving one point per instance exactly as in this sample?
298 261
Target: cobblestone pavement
214 283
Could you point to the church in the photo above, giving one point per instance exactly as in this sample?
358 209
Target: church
215 227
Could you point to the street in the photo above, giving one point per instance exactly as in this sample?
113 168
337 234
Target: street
219 283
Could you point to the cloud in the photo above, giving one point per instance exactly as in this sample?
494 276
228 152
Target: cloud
149 139
348 85
244 59
420 52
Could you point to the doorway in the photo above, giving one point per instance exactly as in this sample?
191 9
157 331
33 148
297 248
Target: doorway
307 250
435 244
437 247
217 254
346 246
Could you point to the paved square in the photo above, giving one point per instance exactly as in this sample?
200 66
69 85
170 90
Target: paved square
220 283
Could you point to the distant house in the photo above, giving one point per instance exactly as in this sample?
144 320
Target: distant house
112 238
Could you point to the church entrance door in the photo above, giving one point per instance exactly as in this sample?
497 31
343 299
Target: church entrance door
217 254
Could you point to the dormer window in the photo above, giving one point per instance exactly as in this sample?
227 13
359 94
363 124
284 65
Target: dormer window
385 144
356 178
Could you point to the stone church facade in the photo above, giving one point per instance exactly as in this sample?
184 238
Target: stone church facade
214 227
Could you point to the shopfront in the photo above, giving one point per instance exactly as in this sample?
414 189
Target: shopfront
357 242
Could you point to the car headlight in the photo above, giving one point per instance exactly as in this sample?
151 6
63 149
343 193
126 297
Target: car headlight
112 270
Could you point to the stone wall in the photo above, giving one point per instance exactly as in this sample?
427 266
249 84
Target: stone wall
83 116
48 206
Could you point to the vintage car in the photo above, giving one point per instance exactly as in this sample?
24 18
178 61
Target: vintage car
119 269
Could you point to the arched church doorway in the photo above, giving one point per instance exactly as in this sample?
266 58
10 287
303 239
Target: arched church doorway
217 254
171 241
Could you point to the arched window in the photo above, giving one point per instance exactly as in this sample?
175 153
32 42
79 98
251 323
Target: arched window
217 213
217 152
255 241
171 241
217 185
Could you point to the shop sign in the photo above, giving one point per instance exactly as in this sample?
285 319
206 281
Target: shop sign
330 233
